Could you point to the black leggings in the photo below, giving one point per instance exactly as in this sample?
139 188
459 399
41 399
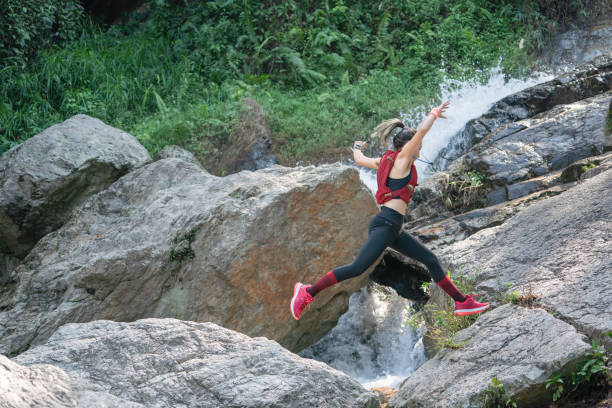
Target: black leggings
386 230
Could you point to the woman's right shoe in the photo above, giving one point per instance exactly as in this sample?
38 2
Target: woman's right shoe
300 300
469 306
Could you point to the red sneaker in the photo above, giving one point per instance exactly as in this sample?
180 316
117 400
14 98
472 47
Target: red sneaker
469 306
300 299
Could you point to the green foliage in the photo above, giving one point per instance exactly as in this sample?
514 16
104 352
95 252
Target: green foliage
555 383
591 372
442 324
29 25
325 72
182 250
495 396
465 190
594 365
588 166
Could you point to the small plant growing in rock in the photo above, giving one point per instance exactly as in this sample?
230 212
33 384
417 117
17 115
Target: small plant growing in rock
465 190
443 324
495 396
592 374
555 384
183 250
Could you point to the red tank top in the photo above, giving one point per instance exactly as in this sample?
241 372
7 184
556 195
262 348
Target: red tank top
384 193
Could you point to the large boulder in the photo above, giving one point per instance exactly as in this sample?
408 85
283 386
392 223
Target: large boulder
170 240
44 178
521 347
558 249
579 46
586 81
547 142
173 363
44 385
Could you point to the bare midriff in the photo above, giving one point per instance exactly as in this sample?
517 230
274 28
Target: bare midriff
397 204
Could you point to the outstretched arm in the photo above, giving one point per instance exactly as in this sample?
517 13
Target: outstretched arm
412 148
361 159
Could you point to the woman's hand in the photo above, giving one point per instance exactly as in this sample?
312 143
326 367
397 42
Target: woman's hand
443 108
358 144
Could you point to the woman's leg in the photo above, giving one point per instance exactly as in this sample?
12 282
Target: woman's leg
381 234
412 247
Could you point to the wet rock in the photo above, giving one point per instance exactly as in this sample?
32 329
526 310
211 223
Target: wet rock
550 142
437 234
584 82
168 362
43 179
558 249
577 170
521 347
170 240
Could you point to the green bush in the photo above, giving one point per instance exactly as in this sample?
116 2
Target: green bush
29 25
325 72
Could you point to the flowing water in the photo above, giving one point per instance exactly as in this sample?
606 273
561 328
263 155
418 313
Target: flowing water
371 341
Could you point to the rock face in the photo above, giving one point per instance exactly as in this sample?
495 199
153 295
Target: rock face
558 248
584 82
170 240
521 347
43 179
167 362
48 386
580 46
547 142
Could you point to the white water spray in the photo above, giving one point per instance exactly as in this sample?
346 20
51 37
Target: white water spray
469 100
371 342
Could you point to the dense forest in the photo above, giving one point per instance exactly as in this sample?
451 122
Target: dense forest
325 72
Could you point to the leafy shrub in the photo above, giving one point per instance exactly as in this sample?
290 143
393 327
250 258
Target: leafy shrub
29 25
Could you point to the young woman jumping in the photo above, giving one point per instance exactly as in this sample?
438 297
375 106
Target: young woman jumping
396 177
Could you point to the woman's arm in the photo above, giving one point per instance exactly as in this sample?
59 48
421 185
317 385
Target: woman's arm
361 159
412 148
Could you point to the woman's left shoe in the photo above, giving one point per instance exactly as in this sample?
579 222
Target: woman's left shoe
469 306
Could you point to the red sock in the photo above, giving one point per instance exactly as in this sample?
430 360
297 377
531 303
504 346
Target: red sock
449 287
325 281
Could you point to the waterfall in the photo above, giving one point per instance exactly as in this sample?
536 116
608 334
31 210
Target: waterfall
371 341
469 100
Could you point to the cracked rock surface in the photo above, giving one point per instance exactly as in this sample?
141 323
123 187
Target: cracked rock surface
560 249
521 347
172 363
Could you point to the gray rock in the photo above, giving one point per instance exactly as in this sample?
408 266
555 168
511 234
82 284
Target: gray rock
551 141
579 46
583 82
8 264
521 347
48 386
173 363
577 170
170 240
177 152
558 249
43 179
499 195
